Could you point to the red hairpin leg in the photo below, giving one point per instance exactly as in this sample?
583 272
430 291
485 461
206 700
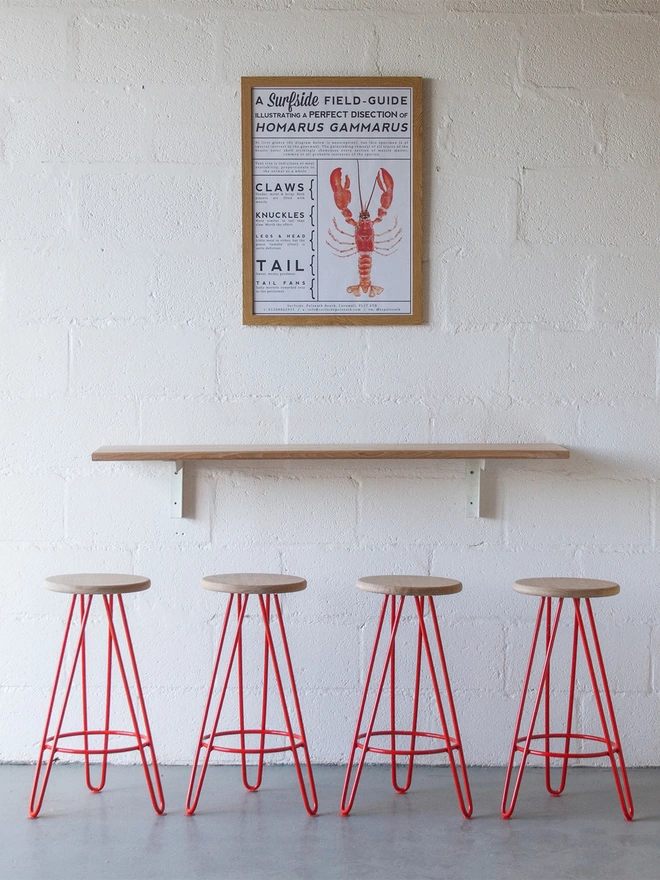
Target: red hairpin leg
144 742
346 799
507 811
453 742
51 742
241 709
612 742
108 693
555 792
413 735
205 740
296 740
300 741
451 739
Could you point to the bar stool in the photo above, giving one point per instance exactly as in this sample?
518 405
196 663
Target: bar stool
422 589
83 588
240 587
561 589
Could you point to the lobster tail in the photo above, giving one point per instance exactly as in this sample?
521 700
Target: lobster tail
364 285
364 271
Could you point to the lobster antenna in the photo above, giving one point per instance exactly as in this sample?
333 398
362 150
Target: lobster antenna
359 186
372 191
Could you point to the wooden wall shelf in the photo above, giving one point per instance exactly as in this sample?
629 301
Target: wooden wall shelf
474 454
310 453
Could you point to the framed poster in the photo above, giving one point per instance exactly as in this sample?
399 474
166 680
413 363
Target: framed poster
332 200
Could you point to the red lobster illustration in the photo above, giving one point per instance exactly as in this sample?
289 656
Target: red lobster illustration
362 240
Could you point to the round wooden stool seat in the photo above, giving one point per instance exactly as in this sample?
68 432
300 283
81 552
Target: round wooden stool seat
409 585
253 583
566 588
97 584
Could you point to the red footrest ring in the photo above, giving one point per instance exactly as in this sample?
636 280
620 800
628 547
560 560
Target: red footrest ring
542 753
109 751
453 743
237 750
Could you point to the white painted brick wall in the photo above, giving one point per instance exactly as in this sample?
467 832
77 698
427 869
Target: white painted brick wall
75 282
85 128
566 208
438 364
147 207
482 121
636 272
36 205
630 128
572 365
534 287
33 45
120 322
472 209
624 52
159 46
454 49
142 360
33 360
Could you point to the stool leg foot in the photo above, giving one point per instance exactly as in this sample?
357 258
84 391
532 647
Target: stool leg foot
264 710
346 799
507 811
95 789
453 742
50 742
555 792
151 772
612 741
205 740
402 789
310 799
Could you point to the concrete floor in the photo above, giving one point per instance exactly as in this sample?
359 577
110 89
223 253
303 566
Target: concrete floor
239 836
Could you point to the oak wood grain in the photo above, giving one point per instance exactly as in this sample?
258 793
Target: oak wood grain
409 585
261 584
566 588
97 584
329 452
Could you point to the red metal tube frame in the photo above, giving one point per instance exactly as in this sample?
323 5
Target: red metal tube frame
362 740
611 741
142 741
296 741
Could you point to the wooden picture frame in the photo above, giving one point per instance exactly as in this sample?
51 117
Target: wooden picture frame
296 271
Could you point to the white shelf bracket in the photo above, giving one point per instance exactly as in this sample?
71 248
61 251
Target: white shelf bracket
473 469
176 490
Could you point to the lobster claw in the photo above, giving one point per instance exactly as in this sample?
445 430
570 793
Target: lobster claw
386 182
341 190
